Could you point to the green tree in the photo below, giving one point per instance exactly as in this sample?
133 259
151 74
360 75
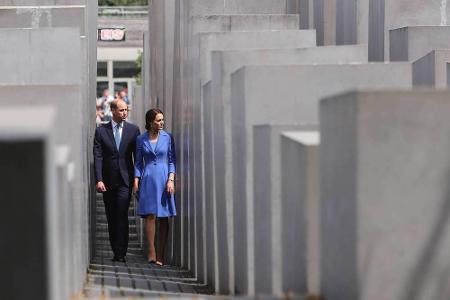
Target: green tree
122 2
138 77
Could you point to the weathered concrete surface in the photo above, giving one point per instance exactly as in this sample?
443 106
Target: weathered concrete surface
27 147
250 40
268 214
432 69
224 63
411 43
300 231
211 7
42 17
388 15
42 2
200 73
384 162
300 88
211 238
218 23
54 52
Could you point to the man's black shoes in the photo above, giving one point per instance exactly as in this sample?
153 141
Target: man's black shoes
119 258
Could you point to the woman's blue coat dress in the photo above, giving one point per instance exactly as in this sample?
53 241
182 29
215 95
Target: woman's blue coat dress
152 166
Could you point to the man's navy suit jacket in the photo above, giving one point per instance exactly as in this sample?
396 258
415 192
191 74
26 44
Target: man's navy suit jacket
115 167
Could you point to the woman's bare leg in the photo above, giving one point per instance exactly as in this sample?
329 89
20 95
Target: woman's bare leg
163 234
150 228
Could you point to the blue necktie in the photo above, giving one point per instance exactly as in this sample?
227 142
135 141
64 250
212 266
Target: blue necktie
117 136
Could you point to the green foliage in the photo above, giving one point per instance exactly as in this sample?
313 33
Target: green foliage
122 2
139 69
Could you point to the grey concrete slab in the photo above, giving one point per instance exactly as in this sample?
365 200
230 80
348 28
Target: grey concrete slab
224 64
305 11
200 61
211 237
68 131
210 7
364 21
249 40
42 2
300 88
268 216
146 78
43 17
300 232
384 162
432 69
138 109
28 147
388 15
55 51
230 40
412 42
217 23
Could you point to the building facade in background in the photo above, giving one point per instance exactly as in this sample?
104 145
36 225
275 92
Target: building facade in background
119 47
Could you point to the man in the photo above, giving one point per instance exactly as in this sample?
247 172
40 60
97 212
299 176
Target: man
114 148
106 100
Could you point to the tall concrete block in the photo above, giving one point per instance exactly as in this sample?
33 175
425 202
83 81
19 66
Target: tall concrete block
138 109
384 162
305 11
388 15
224 63
201 72
346 22
413 42
43 17
250 40
31 257
55 51
68 131
300 88
211 7
66 226
267 212
201 65
146 78
211 235
300 232
432 69
218 23
42 2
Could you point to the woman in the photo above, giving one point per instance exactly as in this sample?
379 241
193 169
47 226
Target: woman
154 181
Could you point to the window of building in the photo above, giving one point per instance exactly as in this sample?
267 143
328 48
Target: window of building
124 69
102 69
101 86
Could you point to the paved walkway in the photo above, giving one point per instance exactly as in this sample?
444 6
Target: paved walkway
138 279
135 278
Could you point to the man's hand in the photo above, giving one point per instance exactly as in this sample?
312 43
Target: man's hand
101 187
135 188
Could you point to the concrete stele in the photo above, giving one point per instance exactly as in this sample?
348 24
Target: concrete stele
413 42
384 195
224 63
300 212
432 69
27 147
260 86
268 215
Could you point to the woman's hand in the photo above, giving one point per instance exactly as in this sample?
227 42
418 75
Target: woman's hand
170 187
135 186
